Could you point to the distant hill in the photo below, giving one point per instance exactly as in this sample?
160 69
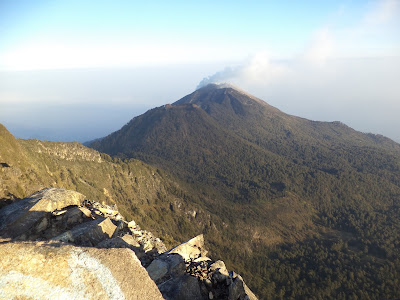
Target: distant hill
288 191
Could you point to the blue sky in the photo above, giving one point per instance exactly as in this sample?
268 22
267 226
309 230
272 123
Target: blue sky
64 64
69 34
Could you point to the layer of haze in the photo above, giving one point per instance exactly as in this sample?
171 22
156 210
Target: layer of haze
78 70
84 104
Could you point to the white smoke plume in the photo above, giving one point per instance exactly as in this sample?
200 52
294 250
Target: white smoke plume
257 69
224 75
342 75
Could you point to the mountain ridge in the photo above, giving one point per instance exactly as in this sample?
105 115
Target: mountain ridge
286 179
217 94
133 185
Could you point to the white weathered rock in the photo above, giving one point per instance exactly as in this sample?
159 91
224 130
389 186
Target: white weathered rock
191 249
107 211
219 264
136 232
132 224
37 270
85 211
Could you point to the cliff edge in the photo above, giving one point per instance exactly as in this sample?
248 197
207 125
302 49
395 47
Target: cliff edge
56 244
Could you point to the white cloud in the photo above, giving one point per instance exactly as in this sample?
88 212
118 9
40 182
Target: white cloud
347 74
383 12
260 69
320 49
45 55
367 38
257 69
377 33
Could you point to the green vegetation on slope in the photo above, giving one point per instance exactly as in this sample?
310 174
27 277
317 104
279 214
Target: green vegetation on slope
275 184
143 193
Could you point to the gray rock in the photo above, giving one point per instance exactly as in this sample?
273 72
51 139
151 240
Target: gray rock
208 283
219 277
219 264
166 267
157 269
229 281
249 293
236 289
239 290
182 288
89 233
183 272
121 227
190 289
132 224
176 264
191 249
126 241
21 216
76 216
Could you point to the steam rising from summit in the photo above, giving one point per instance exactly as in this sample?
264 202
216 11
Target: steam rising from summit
221 76
324 89
258 69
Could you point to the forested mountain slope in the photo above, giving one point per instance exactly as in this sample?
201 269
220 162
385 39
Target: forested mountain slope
153 197
299 200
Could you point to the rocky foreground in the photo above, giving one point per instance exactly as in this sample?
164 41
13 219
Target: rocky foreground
56 244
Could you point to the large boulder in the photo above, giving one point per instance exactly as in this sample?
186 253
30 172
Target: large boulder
184 272
58 269
190 249
182 287
89 233
38 270
20 216
165 267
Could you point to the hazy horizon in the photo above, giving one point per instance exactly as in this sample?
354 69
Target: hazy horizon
79 70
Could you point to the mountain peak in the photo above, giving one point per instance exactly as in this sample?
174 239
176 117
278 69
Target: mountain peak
225 96
225 86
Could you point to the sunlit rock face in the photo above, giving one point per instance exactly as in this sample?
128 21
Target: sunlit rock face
42 270
56 244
